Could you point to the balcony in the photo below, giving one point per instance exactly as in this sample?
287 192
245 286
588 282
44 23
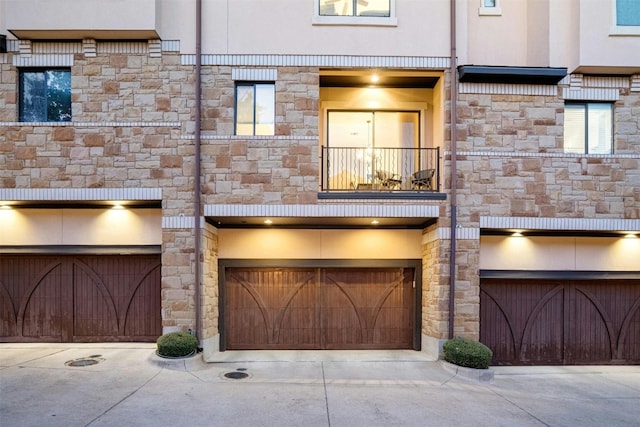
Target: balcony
70 19
380 172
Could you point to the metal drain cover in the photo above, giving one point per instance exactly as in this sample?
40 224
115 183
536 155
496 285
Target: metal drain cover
82 362
236 375
85 361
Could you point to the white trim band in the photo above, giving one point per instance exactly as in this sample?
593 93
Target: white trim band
590 94
578 224
508 89
62 60
324 210
254 74
79 194
439 63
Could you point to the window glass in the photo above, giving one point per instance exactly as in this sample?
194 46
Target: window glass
255 109
588 128
599 125
361 145
574 126
355 8
628 12
265 109
489 3
45 96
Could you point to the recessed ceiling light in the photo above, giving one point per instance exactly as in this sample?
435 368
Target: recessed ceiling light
268 221
375 222
375 78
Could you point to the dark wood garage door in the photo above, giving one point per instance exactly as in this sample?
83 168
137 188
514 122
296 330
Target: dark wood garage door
561 322
80 298
312 308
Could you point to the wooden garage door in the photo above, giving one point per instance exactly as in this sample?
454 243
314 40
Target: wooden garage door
561 322
311 308
80 298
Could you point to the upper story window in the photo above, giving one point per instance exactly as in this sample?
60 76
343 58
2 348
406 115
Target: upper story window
255 109
626 16
355 12
628 12
490 7
588 128
45 95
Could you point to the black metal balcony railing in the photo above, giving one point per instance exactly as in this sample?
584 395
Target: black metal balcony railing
380 169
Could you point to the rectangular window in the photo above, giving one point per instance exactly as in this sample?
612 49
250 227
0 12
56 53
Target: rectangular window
490 7
588 128
45 96
255 109
628 12
355 12
355 8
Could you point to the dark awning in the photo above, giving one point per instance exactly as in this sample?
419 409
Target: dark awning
514 75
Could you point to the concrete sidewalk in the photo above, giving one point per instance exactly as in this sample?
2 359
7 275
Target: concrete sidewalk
130 386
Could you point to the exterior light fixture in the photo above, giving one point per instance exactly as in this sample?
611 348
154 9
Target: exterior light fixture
375 78
375 222
268 222
517 233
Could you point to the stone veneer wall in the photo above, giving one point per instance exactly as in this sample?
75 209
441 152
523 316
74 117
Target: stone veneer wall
435 285
130 114
210 292
512 163
280 169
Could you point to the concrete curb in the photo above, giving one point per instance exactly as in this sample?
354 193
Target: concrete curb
480 375
191 363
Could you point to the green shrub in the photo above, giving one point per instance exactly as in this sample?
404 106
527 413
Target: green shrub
177 344
467 353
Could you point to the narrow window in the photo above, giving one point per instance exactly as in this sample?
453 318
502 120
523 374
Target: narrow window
255 109
588 128
45 96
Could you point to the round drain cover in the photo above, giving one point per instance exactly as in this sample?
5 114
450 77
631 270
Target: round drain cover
82 362
236 375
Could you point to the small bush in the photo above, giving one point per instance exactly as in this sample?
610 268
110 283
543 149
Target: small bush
467 353
177 344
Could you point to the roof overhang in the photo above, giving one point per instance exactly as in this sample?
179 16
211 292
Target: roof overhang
321 216
512 75
74 34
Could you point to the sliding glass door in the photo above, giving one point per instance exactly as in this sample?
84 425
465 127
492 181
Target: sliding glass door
366 147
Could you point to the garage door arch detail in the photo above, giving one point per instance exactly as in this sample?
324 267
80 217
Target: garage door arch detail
570 321
81 298
318 307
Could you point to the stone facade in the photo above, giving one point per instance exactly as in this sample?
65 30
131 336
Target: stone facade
133 127
512 161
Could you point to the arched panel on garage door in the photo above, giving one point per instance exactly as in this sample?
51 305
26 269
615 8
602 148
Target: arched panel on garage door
561 321
319 307
80 298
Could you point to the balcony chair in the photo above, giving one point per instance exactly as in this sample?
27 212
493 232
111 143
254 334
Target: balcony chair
388 180
422 179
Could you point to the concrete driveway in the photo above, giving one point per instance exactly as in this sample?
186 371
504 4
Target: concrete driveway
128 385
